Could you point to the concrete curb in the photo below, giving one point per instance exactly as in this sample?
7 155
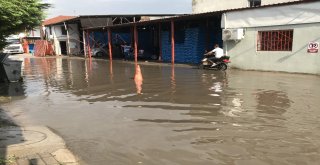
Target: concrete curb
34 144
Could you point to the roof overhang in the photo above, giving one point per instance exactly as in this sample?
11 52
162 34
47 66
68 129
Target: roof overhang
198 15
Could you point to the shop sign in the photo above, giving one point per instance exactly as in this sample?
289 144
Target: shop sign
313 47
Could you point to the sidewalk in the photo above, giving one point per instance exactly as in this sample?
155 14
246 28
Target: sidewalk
33 146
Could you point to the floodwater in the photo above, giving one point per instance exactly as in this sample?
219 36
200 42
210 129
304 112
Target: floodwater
112 113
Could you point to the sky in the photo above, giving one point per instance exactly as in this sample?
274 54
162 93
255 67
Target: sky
105 7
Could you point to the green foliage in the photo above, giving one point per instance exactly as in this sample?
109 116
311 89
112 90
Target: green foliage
10 160
19 15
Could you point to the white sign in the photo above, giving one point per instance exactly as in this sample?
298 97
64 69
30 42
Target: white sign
313 47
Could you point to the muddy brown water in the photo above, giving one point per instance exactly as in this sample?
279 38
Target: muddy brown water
171 115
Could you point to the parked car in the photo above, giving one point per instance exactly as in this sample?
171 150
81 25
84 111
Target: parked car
14 46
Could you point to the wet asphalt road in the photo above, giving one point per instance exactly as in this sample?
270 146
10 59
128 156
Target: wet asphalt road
110 114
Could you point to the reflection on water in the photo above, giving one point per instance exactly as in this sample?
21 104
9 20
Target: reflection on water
173 80
111 71
12 89
179 116
138 79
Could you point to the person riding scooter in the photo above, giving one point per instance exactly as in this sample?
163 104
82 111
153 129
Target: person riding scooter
217 52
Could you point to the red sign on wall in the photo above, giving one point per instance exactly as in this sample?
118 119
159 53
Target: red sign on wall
313 47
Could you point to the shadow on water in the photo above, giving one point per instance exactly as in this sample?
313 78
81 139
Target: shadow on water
10 132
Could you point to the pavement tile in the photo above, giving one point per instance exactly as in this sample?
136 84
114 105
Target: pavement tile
64 156
23 161
45 155
41 153
50 160
37 162
33 156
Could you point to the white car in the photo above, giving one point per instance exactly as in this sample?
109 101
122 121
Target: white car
14 46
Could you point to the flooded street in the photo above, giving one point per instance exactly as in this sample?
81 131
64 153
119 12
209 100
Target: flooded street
110 114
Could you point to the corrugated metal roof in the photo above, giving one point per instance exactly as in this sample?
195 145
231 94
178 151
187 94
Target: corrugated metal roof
61 19
207 14
258 7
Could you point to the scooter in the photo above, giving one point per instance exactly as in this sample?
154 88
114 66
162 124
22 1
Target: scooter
222 64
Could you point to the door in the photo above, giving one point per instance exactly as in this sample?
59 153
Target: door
63 46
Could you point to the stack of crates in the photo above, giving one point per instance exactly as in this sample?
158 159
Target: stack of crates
166 46
189 48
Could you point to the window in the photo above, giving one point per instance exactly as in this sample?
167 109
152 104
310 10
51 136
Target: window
277 40
63 30
254 3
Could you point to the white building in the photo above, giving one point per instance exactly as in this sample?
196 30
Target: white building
276 38
201 6
65 37
35 33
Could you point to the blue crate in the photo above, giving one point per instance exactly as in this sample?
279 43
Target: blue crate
190 46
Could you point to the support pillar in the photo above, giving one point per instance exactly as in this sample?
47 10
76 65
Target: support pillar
135 33
109 43
89 46
84 43
68 39
172 42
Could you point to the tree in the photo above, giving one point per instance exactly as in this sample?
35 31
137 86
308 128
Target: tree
19 15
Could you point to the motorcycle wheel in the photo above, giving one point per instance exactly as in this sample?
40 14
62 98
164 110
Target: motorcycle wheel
223 66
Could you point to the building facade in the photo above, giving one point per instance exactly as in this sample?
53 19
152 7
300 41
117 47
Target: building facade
201 6
65 39
279 38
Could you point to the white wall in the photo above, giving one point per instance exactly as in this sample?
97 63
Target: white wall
271 16
268 2
201 6
74 38
244 54
34 33
56 34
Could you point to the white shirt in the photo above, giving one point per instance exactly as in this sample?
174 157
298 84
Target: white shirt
218 52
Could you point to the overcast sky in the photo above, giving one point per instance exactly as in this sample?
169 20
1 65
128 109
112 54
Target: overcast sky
105 7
